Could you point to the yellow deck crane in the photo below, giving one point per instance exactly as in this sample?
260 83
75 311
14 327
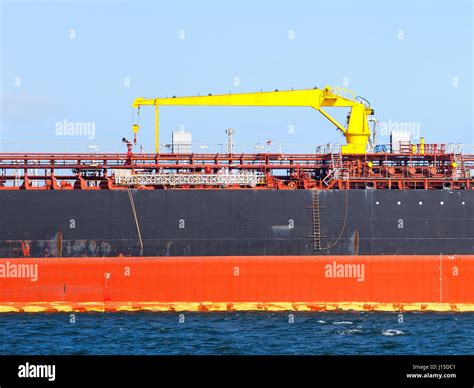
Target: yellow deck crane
356 132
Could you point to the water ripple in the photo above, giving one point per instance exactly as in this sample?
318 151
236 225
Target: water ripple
249 333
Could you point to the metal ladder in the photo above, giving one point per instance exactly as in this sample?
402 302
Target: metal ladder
316 221
337 168
460 170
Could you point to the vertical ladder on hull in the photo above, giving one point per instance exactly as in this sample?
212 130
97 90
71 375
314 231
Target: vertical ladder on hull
316 221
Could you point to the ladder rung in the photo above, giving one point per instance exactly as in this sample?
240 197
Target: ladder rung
316 226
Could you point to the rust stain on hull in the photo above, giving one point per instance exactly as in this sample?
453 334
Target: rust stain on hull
239 306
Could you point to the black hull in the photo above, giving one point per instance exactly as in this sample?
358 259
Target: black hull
235 223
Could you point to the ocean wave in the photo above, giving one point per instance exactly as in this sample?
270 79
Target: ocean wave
392 332
350 331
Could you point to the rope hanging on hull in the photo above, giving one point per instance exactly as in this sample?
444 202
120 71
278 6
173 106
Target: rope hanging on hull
132 204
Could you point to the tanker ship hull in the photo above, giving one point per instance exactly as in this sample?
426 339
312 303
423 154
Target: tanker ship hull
236 249
183 223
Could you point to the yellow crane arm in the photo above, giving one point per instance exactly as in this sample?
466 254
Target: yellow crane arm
357 132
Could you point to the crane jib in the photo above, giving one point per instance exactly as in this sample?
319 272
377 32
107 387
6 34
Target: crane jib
357 132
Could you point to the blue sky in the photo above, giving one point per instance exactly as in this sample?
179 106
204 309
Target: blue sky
413 60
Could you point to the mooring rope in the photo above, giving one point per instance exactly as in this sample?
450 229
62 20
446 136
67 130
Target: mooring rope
132 203
343 225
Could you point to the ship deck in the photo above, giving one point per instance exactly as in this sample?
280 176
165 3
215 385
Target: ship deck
434 168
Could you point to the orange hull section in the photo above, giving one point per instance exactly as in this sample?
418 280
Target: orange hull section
392 283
